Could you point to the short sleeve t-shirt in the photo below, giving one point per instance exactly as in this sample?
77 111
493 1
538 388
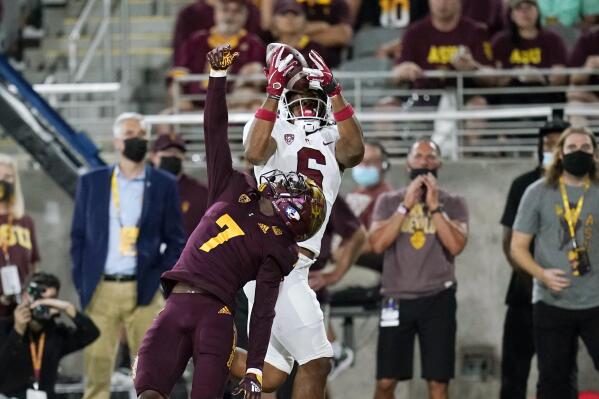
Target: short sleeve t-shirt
566 12
545 51
541 213
22 248
488 12
587 45
519 292
416 264
432 49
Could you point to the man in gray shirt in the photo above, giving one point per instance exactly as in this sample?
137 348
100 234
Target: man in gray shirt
420 229
560 212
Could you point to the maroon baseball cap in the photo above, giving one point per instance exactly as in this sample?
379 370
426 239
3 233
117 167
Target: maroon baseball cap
283 6
169 140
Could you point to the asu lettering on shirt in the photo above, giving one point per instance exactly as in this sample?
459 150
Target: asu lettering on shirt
532 56
20 235
443 55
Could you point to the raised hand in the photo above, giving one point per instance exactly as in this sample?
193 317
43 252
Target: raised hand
278 69
322 74
222 57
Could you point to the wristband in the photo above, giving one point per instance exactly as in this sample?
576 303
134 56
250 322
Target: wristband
438 209
256 372
273 97
266 115
218 73
344 114
402 209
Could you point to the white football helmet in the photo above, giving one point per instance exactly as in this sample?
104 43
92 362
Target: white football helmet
309 110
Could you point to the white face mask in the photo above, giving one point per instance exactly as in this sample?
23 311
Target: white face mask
547 159
308 125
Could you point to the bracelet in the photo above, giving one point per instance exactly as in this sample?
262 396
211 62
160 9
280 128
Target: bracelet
266 115
344 114
402 209
438 209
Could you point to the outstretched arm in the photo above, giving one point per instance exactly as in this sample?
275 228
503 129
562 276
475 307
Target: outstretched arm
216 121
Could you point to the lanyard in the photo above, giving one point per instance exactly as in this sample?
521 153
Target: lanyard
570 215
37 353
116 199
7 240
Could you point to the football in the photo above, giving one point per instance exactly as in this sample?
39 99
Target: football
296 79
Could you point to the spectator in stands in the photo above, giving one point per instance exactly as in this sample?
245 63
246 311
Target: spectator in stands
525 44
580 13
444 40
518 344
32 342
18 242
560 212
127 230
490 13
199 15
289 26
421 229
230 17
168 153
329 24
586 55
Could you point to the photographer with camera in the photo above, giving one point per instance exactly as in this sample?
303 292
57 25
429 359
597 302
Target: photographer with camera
32 342
420 229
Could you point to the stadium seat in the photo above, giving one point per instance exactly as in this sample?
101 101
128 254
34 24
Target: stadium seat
569 34
367 40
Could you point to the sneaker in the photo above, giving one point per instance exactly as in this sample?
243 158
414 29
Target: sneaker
341 363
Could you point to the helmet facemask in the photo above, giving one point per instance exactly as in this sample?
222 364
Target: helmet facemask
307 110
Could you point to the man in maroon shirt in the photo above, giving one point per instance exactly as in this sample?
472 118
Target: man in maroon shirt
168 153
200 16
586 54
444 40
230 17
246 234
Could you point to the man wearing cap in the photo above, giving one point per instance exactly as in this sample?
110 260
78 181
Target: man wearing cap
168 153
518 346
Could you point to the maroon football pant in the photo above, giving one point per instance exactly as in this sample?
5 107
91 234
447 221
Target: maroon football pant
191 325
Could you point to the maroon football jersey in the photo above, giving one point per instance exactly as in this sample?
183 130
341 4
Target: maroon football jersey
432 49
234 242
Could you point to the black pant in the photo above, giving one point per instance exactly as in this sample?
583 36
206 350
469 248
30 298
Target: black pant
517 351
556 332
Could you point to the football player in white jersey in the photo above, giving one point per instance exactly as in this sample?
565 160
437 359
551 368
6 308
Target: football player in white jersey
303 138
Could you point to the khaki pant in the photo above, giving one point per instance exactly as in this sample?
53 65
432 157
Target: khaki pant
113 306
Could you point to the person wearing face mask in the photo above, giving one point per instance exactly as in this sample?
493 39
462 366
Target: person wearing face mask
420 229
560 213
127 230
168 153
18 242
518 344
32 341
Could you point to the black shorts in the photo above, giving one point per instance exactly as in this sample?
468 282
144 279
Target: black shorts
433 319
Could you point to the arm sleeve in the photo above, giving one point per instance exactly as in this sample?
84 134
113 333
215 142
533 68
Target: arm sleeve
10 345
458 210
528 216
219 164
342 219
84 333
263 312
173 232
78 232
382 209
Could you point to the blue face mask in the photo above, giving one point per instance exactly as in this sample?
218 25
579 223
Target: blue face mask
366 176
547 159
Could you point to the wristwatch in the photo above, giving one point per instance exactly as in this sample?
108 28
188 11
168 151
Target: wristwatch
402 209
437 209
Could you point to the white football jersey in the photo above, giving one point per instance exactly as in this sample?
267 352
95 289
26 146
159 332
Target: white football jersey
312 155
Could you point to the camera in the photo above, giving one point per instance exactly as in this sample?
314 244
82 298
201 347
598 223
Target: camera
41 312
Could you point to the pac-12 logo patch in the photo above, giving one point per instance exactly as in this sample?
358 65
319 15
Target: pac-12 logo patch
289 137
292 213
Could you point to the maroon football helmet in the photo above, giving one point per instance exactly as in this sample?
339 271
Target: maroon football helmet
297 200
